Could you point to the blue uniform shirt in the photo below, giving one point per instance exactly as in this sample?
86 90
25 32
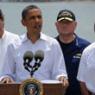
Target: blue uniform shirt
72 54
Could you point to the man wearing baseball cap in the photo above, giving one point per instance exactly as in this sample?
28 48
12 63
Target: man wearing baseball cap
72 47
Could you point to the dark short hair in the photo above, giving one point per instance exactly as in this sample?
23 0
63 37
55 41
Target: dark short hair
1 15
26 9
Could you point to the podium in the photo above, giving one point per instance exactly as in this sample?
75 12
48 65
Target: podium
49 89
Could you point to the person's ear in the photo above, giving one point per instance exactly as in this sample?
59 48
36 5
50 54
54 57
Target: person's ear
23 22
75 24
56 23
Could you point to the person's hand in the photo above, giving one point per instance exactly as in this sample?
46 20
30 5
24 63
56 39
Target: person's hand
7 80
64 81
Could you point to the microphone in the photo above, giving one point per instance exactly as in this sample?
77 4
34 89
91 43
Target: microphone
28 57
39 56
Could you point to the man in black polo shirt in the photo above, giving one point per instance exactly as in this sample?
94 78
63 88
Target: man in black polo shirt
72 47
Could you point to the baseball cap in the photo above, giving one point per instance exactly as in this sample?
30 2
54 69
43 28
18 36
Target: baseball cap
66 15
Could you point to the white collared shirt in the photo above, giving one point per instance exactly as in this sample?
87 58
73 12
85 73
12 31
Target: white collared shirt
51 67
86 71
6 39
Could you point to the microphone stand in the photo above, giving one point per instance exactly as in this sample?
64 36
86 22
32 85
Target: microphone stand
35 67
32 69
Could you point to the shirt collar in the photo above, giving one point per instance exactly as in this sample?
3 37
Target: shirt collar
25 38
4 34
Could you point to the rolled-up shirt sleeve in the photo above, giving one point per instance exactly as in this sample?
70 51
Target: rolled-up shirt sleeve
9 63
82 67
59 68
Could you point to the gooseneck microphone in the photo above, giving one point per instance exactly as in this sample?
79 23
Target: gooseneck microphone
28 57
39 56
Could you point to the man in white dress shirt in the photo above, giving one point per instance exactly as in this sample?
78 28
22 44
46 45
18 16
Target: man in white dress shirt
52 66
86 73
5 39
